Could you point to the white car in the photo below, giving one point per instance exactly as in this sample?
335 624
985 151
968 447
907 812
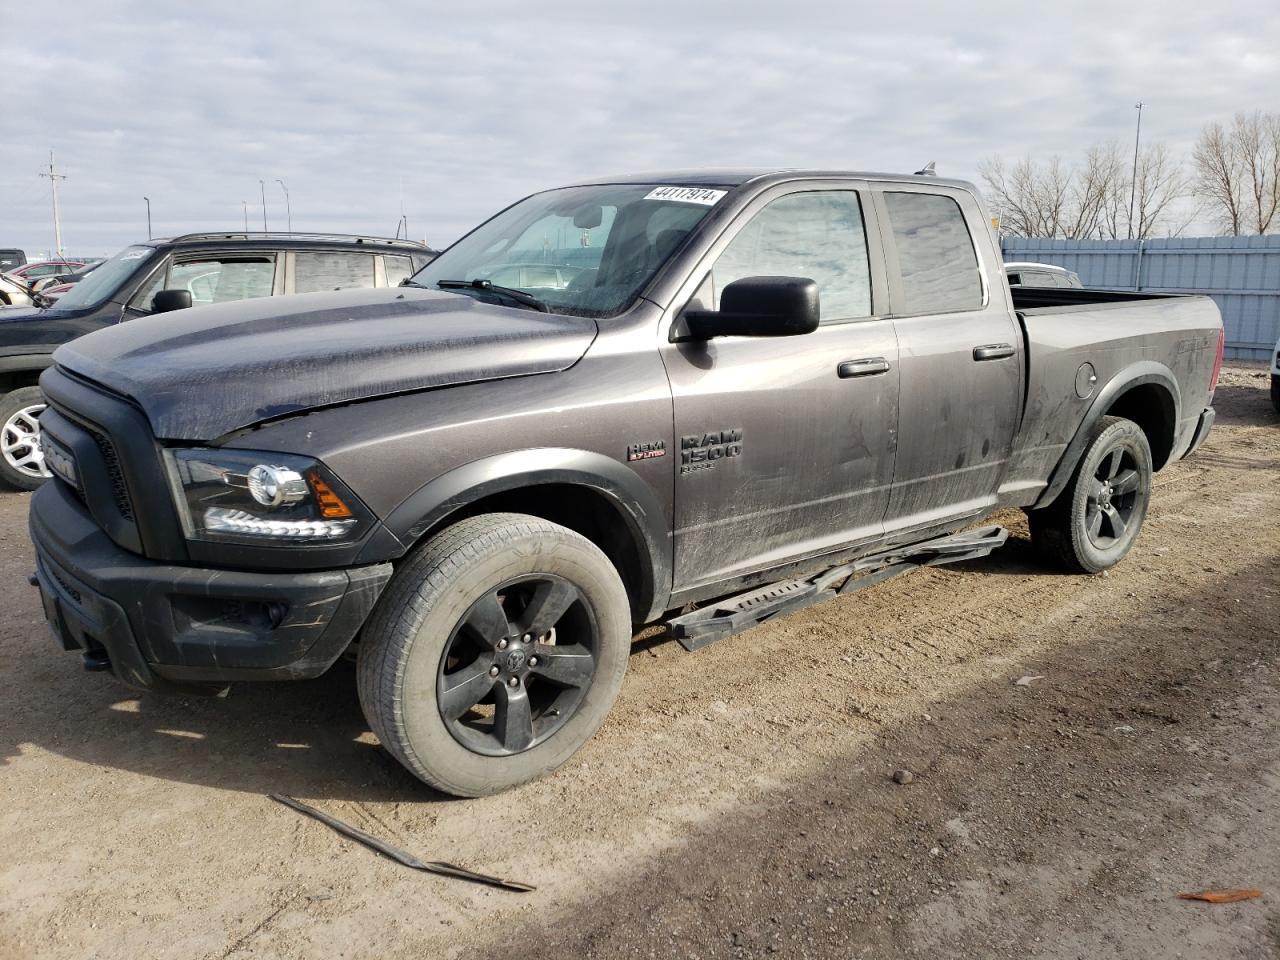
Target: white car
1041 275
13 292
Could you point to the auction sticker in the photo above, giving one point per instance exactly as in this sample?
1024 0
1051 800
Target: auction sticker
702 195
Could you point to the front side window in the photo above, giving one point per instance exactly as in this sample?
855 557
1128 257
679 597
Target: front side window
818 236
317 270
587 251
936 259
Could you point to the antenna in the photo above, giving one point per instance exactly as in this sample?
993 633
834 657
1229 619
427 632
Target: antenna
928 170
57 223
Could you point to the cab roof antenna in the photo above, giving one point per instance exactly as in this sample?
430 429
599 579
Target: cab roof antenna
928 170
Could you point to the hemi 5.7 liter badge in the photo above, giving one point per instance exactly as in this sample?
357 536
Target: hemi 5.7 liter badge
646 451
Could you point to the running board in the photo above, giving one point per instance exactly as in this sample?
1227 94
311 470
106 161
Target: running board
726 617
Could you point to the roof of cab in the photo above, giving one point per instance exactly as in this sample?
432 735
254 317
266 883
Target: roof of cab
734 177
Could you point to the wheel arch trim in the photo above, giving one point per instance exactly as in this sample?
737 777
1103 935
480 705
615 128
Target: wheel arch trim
635 501
1135 375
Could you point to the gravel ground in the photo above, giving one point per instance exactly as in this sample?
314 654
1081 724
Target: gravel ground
740 802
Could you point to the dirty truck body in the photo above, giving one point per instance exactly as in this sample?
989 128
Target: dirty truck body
629 397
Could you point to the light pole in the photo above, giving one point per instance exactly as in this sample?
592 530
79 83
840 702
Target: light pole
263 187
288 210
246 215
148 199
1133 182
54 177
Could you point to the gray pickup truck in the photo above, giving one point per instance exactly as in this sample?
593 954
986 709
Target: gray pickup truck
700 399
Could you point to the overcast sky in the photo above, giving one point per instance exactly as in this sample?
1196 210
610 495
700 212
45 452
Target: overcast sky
470 106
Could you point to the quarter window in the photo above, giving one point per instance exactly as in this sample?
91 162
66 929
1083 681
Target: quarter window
315 270
936 259
818 236
397 269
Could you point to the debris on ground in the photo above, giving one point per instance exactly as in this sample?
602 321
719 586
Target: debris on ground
1026 681
400 856
1221 896
903 776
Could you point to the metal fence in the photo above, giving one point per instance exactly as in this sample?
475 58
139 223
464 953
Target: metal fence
1241 273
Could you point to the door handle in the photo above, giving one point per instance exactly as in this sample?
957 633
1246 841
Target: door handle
866 367
993 351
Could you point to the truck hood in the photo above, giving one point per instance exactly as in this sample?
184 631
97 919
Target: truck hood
204 372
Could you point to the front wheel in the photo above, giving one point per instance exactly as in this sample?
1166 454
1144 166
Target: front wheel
496 653
21 460
1095 520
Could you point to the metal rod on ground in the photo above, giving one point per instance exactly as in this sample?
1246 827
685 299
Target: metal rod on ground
1133 183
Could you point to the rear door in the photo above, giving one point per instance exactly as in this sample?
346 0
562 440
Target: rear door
960 356
785 444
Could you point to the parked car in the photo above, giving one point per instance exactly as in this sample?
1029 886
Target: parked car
764 389
29 273
48 290
1041 275
13 292
162 275
10 258
68 275
1275 378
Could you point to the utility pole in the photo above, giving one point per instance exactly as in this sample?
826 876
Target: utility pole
54 177
263 187
148 199
288 210
1133 182
246 215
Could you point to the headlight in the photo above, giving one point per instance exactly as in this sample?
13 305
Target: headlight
249 496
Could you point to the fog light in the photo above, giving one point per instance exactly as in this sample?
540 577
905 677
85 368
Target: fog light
276 486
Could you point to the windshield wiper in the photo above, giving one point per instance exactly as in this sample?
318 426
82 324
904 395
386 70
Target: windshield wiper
519 296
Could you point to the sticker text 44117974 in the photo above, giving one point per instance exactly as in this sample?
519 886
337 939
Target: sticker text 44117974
703 195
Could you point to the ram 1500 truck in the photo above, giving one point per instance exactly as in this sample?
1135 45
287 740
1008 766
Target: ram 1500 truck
700 399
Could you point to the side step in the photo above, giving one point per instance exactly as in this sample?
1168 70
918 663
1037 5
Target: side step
723 618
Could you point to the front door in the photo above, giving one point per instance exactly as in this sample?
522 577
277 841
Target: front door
785 445
960 358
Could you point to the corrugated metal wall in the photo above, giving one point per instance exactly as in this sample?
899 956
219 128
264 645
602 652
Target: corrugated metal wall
1241 273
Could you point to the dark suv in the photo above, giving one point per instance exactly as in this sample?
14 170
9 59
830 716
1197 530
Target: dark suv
162 275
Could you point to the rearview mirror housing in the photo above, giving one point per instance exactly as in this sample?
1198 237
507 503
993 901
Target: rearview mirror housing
759 307
167 300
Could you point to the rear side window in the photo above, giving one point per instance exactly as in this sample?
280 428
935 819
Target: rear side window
317 270
936 258
397 269
818 236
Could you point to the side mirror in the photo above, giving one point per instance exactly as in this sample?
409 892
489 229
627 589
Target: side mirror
759 307
167 300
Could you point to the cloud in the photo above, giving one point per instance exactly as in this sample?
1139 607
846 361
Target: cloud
471 107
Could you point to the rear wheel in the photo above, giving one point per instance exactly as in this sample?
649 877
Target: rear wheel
21 460
495 653
1095 520
1275 392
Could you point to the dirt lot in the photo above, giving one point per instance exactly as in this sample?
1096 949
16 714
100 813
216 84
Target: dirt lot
739 802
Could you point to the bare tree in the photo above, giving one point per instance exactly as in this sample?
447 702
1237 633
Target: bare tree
1237 172
1090 200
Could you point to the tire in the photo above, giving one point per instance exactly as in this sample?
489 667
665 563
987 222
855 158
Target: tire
452 630
1095 520
21 463
1275 392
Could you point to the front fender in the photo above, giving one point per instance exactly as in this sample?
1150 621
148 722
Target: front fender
451 492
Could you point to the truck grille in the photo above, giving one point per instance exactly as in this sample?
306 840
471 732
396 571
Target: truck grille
119 492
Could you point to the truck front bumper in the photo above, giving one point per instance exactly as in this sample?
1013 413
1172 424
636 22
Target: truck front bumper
185 629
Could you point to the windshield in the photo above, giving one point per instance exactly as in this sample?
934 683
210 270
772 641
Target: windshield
105 279
581 250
